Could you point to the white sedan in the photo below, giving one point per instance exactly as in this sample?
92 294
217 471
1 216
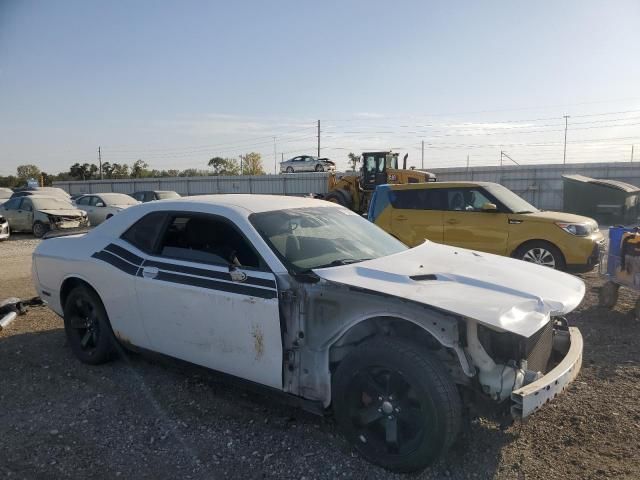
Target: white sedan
102 206
306 297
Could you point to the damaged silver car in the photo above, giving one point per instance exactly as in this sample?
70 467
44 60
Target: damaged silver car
309 299
39 214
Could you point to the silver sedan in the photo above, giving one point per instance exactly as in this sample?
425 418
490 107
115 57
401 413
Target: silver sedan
103 206
307 163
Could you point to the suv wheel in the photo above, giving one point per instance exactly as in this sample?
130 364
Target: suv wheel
396 404
541 253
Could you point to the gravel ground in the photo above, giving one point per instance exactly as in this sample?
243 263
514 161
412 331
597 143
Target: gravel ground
152 417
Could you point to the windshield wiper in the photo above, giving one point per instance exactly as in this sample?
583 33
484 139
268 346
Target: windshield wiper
342 261
524 211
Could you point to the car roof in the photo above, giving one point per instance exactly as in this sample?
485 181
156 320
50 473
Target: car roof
252 203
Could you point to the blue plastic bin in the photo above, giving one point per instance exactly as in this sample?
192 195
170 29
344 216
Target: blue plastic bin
615 237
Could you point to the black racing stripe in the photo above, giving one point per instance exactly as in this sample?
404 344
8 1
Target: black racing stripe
126 254
240 289
262 282
116 262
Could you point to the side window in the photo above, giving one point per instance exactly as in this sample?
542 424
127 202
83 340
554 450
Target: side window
466 199
144 233
26 205
416 199
13 204
83 201
370 163
95 201
149 196
205 239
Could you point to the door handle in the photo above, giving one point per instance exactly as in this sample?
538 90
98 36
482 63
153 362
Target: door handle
149 272
452 221
400 218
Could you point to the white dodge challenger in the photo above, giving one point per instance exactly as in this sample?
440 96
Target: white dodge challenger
305 297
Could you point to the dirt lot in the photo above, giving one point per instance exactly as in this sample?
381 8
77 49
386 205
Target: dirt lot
143 417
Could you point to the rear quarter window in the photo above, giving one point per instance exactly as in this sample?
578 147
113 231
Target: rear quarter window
144 233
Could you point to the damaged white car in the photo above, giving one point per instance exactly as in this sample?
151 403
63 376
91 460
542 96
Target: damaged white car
310 299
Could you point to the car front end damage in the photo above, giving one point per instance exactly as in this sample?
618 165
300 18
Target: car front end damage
63 222
527 372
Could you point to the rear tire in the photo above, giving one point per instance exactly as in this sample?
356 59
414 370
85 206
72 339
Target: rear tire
39 229
396 404
541 253
87 326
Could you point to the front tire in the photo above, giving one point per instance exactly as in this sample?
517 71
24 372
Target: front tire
541 253
608 294
289 169
396 403
39 229
87 326
319 168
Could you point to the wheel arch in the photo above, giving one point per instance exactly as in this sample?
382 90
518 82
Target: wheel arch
438 335
71 282
537 240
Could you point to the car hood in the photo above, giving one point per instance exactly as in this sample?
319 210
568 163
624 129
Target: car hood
63 212
500 292
548 216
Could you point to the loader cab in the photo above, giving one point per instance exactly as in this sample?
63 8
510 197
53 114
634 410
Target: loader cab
375 167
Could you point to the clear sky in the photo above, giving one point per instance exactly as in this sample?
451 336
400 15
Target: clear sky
175 83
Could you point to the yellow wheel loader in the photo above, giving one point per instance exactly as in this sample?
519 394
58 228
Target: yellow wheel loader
378 168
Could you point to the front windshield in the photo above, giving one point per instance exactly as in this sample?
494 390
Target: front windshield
318 237
118 199
510 200
46 203
392 161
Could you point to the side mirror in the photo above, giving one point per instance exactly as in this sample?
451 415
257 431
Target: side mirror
99 204
489 207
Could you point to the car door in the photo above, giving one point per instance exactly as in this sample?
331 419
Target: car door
26 213
100 209
83 203
467 224
199 307
417 215
11 211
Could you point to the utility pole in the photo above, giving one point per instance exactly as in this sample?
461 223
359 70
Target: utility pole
318 138
566 124
100 162
501 155
275 158
241 170
631 153
422 154
467 161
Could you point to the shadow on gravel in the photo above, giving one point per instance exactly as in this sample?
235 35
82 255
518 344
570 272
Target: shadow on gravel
151 416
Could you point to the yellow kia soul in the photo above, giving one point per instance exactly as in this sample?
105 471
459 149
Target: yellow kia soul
487 217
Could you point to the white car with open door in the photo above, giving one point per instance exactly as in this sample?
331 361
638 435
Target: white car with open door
306 297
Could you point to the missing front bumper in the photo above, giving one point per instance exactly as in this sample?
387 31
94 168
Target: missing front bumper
531 397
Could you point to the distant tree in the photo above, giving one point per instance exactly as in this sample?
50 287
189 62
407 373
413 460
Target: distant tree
224 166
107 170
172 173
139 169
120 170
80 172
10 181
25 172
353 160
252 164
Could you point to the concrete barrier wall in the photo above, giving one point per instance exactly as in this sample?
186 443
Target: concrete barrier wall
542 185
